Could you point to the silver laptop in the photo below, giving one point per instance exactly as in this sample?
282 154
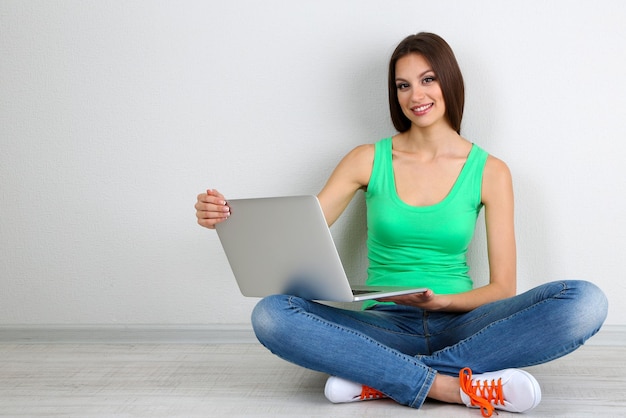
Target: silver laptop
282 245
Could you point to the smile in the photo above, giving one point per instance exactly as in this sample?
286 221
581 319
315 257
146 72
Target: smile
422 109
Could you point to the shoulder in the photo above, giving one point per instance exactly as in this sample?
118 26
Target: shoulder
497 179
362 153
359 157
357 164
495 167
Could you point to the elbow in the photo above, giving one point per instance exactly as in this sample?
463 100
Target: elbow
504 289
508 290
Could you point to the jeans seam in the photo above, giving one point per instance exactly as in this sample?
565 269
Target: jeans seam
426 332
422 394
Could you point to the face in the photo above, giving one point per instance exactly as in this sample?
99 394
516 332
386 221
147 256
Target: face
419 92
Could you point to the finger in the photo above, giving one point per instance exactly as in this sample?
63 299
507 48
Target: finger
211 198
215 193
211 208
220 206
208 212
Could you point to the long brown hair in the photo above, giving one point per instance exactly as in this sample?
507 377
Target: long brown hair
443 62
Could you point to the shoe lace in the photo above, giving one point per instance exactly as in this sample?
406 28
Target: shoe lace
483 394
370 393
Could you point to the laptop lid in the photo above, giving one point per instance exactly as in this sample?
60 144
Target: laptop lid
282 245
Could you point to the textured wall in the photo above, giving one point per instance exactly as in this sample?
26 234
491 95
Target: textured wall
115 114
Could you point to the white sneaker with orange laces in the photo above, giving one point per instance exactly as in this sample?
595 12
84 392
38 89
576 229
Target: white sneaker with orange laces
339 390
511 390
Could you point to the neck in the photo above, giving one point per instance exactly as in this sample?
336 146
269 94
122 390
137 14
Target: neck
433 139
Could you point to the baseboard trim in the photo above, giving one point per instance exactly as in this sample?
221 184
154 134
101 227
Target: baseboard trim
609 335
129 334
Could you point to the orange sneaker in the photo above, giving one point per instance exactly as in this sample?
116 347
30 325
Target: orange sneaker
339 390
511 390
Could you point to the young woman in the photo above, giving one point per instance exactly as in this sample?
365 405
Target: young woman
424 189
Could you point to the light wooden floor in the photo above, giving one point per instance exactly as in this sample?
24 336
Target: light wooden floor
244 380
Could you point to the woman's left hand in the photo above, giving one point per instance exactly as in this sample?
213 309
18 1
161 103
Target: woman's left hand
427 300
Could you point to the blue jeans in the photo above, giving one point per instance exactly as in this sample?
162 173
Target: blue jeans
399 349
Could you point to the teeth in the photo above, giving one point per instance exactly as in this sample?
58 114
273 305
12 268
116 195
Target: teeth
422 108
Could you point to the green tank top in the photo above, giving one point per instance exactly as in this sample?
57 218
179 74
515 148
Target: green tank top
424 246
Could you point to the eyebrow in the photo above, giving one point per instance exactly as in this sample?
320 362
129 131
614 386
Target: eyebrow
420 76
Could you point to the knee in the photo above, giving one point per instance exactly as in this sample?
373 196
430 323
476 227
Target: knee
590 307
267 318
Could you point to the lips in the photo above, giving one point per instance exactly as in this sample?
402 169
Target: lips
422 109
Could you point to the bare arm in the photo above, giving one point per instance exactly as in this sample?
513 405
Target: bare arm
351 174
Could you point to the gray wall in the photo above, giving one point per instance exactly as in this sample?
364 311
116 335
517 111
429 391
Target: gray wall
114 115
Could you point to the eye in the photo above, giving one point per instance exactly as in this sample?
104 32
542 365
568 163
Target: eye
402 86
429 79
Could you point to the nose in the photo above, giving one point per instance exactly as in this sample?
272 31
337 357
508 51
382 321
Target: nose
418 94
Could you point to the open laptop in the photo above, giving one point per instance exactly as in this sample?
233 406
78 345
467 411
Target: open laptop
282 245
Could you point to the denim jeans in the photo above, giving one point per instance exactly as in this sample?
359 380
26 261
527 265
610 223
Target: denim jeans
398 350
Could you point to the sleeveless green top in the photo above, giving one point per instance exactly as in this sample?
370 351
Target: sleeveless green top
422 246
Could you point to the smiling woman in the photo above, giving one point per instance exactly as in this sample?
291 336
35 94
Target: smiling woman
115 115
424 189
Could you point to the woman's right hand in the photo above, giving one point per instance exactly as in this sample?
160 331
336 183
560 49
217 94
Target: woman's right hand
211 209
